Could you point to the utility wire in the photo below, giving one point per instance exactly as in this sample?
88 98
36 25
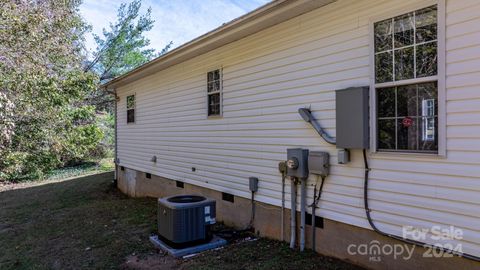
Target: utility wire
406 240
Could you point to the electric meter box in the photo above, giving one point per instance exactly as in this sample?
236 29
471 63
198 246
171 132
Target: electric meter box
352 118
297 162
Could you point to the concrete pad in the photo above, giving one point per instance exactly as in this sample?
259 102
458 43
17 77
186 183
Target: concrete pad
214 243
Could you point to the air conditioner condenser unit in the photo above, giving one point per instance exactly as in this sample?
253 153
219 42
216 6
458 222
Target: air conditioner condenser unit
185 220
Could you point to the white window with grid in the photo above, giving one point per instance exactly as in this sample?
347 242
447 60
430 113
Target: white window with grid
131 109
406 81
214 93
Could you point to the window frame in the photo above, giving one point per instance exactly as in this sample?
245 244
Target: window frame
220 91
134 107
439 78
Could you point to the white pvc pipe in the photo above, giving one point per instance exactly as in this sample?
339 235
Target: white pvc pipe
293 216
303 202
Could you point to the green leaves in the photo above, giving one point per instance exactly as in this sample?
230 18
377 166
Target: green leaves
43 123
49 100
123 47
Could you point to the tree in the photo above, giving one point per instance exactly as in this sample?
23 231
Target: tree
122 48
49 96
43 123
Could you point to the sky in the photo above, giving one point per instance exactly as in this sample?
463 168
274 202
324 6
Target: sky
175 20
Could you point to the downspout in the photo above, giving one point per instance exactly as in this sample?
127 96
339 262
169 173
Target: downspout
116 138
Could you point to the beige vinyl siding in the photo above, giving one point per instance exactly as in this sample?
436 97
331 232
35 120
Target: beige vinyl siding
268 76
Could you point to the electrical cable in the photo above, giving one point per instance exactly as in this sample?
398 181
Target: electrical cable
249 227
307 116
319 192
252 218
316 200
282 215
406 240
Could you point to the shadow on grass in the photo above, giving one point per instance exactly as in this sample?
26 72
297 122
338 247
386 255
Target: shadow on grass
81 223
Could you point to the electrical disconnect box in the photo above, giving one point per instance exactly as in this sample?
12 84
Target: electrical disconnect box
319 163
253 184
297 162
343 156
352 117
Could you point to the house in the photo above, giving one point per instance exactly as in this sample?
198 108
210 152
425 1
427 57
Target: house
224 107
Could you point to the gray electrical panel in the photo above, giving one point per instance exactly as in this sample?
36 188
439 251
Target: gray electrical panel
319 163
352 118
297 162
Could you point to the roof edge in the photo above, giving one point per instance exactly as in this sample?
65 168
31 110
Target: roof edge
259 19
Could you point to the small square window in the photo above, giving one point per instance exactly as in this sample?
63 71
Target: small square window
214 93
131 109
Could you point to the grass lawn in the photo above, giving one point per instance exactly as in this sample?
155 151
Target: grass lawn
86 223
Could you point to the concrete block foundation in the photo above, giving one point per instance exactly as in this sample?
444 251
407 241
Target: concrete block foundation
335 239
